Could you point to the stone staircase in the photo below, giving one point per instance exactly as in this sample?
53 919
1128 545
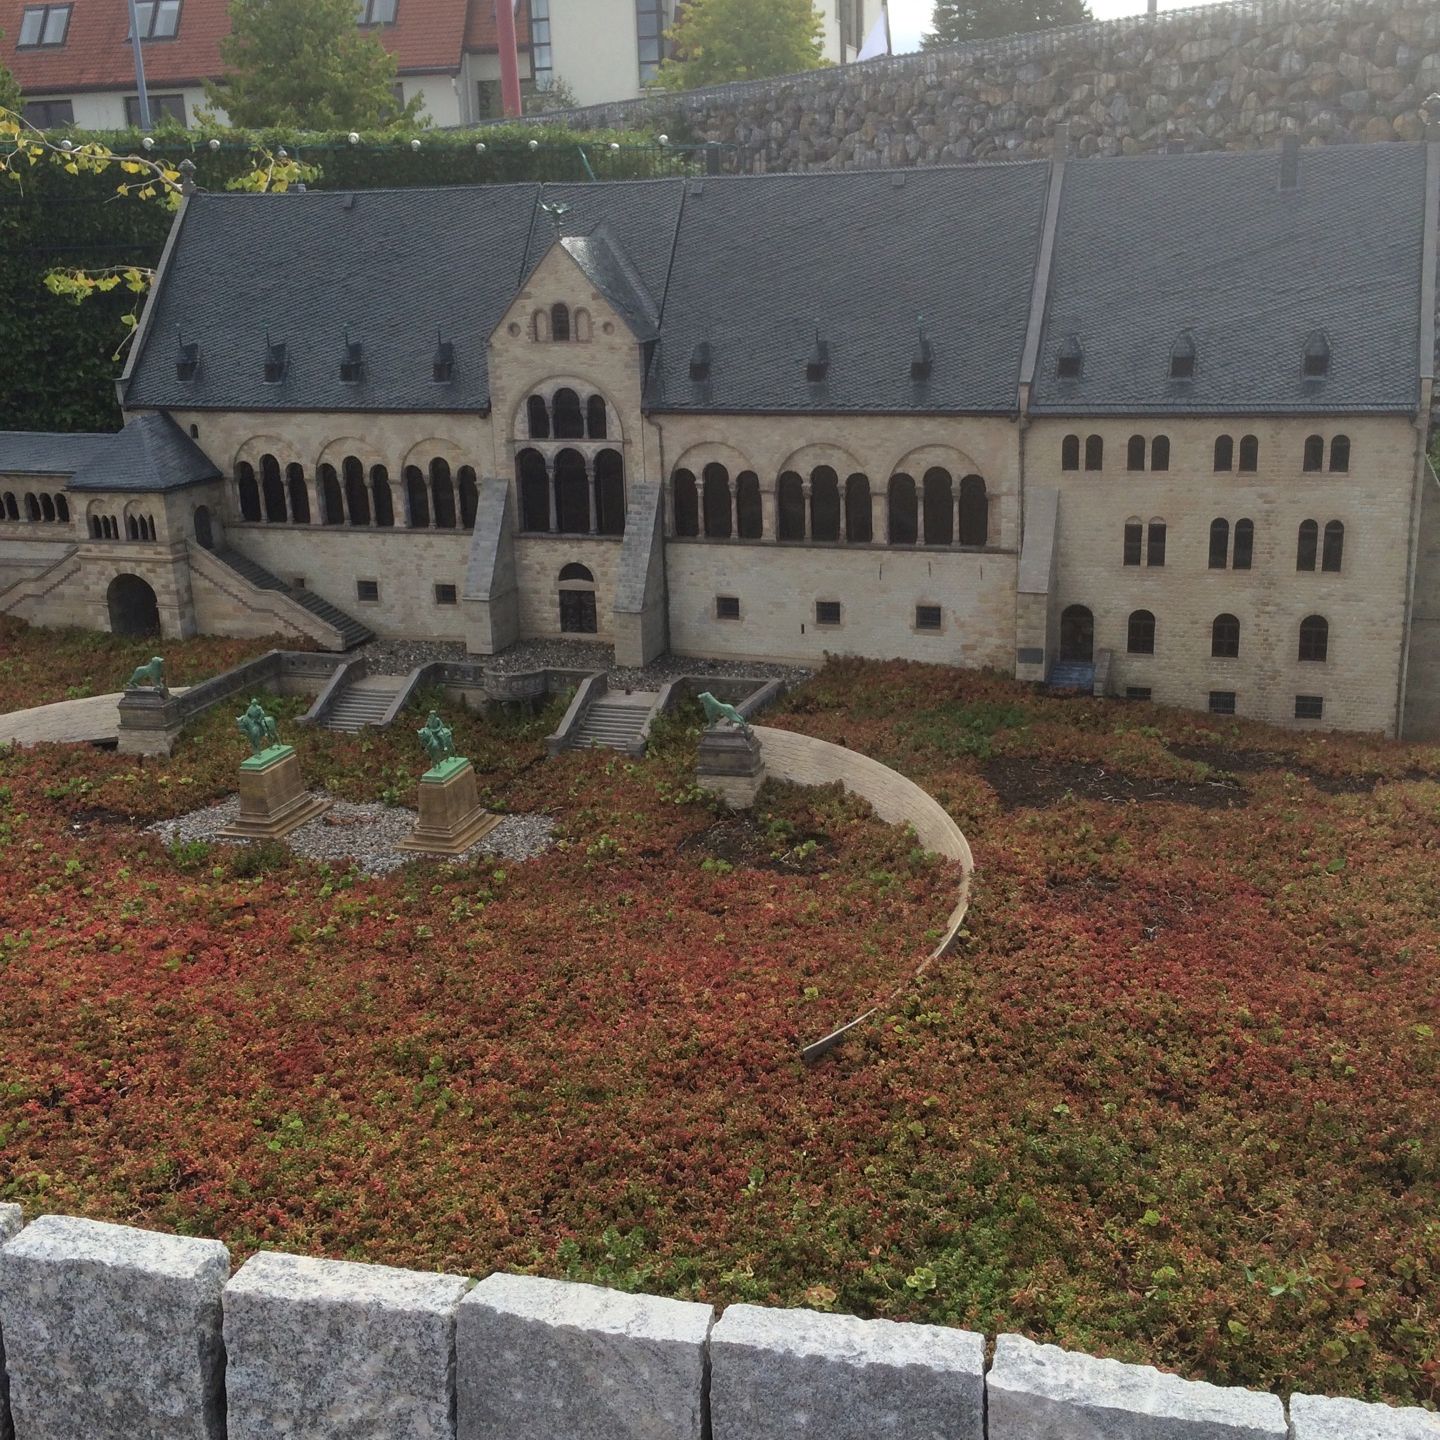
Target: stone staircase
362 702
615 721
351 631
1072 675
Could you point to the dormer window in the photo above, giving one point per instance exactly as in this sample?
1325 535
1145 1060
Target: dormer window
277 361
375 12
157 19
1182 358
817 367
444 362
43 25
187 362
1317 355
923 359
700 361
1071 359
352 367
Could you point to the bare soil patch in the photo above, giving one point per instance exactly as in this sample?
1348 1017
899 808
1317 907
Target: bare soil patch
741 840
1034 784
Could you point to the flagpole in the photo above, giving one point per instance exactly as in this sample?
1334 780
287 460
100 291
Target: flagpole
509 59
143 93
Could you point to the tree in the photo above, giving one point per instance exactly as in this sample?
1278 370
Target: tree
720 40
9 88
307 64
959 20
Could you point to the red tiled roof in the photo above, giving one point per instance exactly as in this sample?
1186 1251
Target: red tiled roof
427 36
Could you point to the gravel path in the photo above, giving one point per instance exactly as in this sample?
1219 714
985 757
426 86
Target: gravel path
367 834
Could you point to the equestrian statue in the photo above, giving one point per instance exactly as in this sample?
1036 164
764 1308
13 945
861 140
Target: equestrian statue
259 728
437 738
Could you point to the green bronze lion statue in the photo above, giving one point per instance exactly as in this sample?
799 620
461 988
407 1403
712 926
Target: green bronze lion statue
150 675
717 711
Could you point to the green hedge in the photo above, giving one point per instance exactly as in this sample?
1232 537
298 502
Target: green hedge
56 365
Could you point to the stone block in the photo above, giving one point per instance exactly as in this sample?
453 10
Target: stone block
273 801
1040 1392
1314 1417
112 1333
320 1349
777 1374
10 1221
537 1359
729 763
451 820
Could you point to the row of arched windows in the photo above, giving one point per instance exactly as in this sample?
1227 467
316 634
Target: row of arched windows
39 508
429 498
1236 550
104 527
1332 552
573 494
564 418
1221 554
1154 454
140 527
1314 639
559 323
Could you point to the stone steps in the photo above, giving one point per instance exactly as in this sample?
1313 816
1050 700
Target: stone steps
363 703
616 724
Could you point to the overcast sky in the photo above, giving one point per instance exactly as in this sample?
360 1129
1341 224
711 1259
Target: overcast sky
909 19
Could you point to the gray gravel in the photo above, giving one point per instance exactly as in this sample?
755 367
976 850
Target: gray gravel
367 834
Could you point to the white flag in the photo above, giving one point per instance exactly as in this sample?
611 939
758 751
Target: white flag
877 42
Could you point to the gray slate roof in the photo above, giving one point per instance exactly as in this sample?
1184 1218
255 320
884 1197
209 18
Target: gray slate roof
34 452
1151 246
151 453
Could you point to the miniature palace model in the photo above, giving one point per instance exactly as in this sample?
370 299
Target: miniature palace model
1151 426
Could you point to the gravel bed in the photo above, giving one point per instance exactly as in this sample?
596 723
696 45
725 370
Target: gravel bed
368 834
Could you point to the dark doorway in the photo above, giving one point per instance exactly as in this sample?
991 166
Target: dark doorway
1077 634
577 612
204 535
133 607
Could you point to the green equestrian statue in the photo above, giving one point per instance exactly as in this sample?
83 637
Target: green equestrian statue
437 738
259 728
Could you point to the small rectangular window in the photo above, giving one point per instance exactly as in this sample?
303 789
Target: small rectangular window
162 107
375 12
298 582
367 589
1222 702
727 607
1137 692
49 114
927 617
446 595
1155 544
1309 707
1134 534
43 25
827 612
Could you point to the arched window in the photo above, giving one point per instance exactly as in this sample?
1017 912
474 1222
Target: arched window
357 495
559 321
1314 453
1224 452
299 494
1155 543
1249 454
469 496
1307 545
62 508
579 573
716 486
1219 544
1225 637
974 512
249 492
442 492
1094 452
330 499
1140 633
1244 544
859 528
1340 454
902 507
939 505
381 500
595 417
1135 453
32 505
1160 453
572 493
47 509
609 493
12 510
749 514
132 528
94 526
582 325
824 504
537 417
417 497
1314 637
1134 541
1070 453
569 419
790 521
1334 551
540 325
272 492
684 504
534 491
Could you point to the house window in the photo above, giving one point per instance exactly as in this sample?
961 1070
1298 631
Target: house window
1070 453
1224 453
446 595
1334 550
1094 452
1225 638
49 114
541 56
928 617
375 12
1222 702
367 590
157 19
1155 543
1314 453
827 612
1134 538
1219 543
727 607
1140 634
1340 454
162 107
43 25
1160 453
1314 638
1244 544
1309 707
1249 454
650 35
1307 545
1137 692
1135 453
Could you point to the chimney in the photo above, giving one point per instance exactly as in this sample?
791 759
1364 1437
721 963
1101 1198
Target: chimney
1289 162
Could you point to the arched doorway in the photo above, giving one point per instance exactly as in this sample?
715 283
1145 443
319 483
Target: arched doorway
1077 634
133 607
577 601
204 535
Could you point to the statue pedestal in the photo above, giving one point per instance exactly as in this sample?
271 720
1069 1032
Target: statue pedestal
273 802
451 820
730 765
149 721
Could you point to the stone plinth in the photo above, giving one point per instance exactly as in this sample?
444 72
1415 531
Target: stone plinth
10 1221
1315 1417
273 802
451 819
1040 1392
540 1359
112 1333
150 722
792 1374
329 1350
730 765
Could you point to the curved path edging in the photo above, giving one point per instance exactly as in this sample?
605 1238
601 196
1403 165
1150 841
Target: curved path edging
807 760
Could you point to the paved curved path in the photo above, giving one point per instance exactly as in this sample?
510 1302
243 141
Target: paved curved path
67 722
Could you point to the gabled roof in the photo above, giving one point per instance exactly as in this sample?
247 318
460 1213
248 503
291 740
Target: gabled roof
34 452
151 453
1155 246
